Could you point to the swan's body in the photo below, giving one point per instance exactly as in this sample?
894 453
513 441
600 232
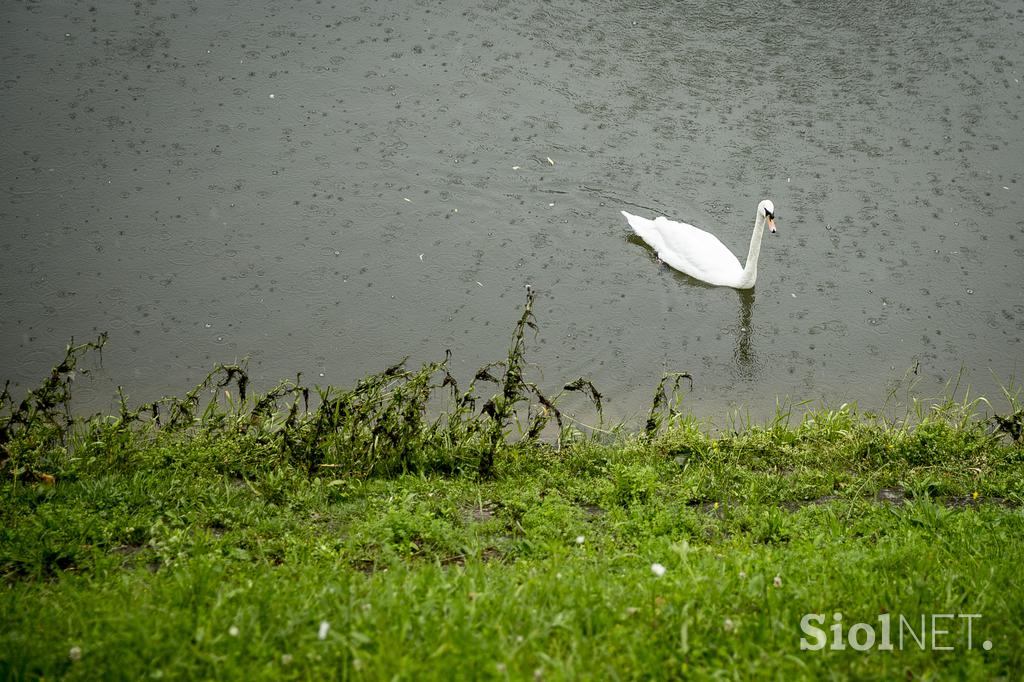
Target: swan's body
700 254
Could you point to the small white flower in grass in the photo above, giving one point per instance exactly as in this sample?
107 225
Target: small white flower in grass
501 668
778 581
728 625
75 654
657 569
325 627
743 575
233 631
580 539
286 659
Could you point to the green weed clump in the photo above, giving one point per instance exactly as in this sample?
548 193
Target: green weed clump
321 533
383 426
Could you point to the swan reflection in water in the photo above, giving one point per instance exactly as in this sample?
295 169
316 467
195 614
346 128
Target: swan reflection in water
746 358
747 364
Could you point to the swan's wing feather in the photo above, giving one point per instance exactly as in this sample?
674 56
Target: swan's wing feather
700 250
688 249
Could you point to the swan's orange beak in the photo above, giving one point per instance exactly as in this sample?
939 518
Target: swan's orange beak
771 224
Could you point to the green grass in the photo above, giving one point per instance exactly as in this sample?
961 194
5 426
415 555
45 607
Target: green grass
186 555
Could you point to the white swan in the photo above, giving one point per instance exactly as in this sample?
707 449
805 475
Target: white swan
700 254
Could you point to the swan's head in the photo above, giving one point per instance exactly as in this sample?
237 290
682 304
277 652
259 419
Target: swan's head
766 209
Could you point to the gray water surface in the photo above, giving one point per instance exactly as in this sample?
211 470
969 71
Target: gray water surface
328 187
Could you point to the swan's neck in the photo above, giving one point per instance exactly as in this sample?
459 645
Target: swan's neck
750 269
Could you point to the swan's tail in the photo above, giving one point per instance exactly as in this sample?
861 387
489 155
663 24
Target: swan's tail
644 229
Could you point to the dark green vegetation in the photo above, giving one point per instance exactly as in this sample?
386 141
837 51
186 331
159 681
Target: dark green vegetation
261 537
